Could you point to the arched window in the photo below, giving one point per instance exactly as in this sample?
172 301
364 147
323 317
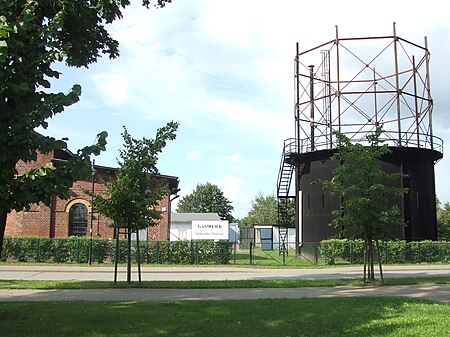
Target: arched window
78 220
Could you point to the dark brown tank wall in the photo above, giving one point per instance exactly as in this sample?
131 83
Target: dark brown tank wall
418 206
317 204
420 201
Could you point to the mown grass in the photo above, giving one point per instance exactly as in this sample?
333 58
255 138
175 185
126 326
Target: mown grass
389 317
285 283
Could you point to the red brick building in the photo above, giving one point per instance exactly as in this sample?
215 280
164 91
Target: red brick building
75 216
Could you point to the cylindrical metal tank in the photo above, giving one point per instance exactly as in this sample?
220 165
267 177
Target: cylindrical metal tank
417 206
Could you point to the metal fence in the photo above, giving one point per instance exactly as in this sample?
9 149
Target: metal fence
245 252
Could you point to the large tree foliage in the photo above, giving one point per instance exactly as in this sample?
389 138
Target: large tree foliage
264 211
34 35
443 221
131 199
207 198
364 188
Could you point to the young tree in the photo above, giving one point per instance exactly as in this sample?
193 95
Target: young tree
131 198
443 221
34 35
364 189
207 198
264 210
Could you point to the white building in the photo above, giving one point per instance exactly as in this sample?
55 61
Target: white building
200 226
270 237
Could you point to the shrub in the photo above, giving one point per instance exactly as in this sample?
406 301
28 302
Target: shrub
76 250
331 249
394 252
390 251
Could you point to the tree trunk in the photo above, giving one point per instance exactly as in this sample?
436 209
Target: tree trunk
116 260
365 259
379 262
3 216
129 256
138 257
371 260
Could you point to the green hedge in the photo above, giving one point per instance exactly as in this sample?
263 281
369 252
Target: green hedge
76 250
396 252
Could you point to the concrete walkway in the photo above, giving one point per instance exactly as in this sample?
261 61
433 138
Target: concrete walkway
439 293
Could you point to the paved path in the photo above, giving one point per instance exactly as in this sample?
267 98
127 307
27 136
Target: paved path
439 293
207 273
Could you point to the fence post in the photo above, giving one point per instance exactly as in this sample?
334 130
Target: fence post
420 254
78 250
386 252
147 250
408 252
352 257
38 250
117 255
251 255
316 253
157 252
196 251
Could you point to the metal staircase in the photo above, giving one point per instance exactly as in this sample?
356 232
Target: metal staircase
284 217
286 170
285 175
282 241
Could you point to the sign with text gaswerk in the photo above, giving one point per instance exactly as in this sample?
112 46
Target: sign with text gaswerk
210 230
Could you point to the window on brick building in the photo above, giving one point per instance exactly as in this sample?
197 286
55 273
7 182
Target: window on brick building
78 220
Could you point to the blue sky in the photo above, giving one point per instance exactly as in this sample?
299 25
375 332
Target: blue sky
224 71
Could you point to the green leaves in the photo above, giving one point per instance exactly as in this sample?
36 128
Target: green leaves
364 187
207 198
132 198
159 3
443 221
264 211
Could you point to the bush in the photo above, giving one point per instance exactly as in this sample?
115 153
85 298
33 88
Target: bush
342 249
76 250
394 252
390 251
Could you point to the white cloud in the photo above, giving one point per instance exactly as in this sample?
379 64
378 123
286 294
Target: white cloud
113 86
236 157
193 155
232 188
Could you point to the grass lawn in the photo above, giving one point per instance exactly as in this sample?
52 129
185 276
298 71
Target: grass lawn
303 317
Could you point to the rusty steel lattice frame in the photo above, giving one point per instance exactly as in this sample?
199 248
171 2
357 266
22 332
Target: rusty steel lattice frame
346 85
352 86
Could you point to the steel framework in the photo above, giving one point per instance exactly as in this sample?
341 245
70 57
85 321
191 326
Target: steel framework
359 84
354 85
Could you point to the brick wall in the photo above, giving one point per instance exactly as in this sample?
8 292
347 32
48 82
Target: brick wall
53 221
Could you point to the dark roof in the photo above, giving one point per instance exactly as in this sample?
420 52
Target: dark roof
189 217
63 155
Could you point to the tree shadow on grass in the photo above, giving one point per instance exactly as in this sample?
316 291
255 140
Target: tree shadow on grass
373 316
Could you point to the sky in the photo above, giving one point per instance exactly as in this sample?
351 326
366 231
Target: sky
225 71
